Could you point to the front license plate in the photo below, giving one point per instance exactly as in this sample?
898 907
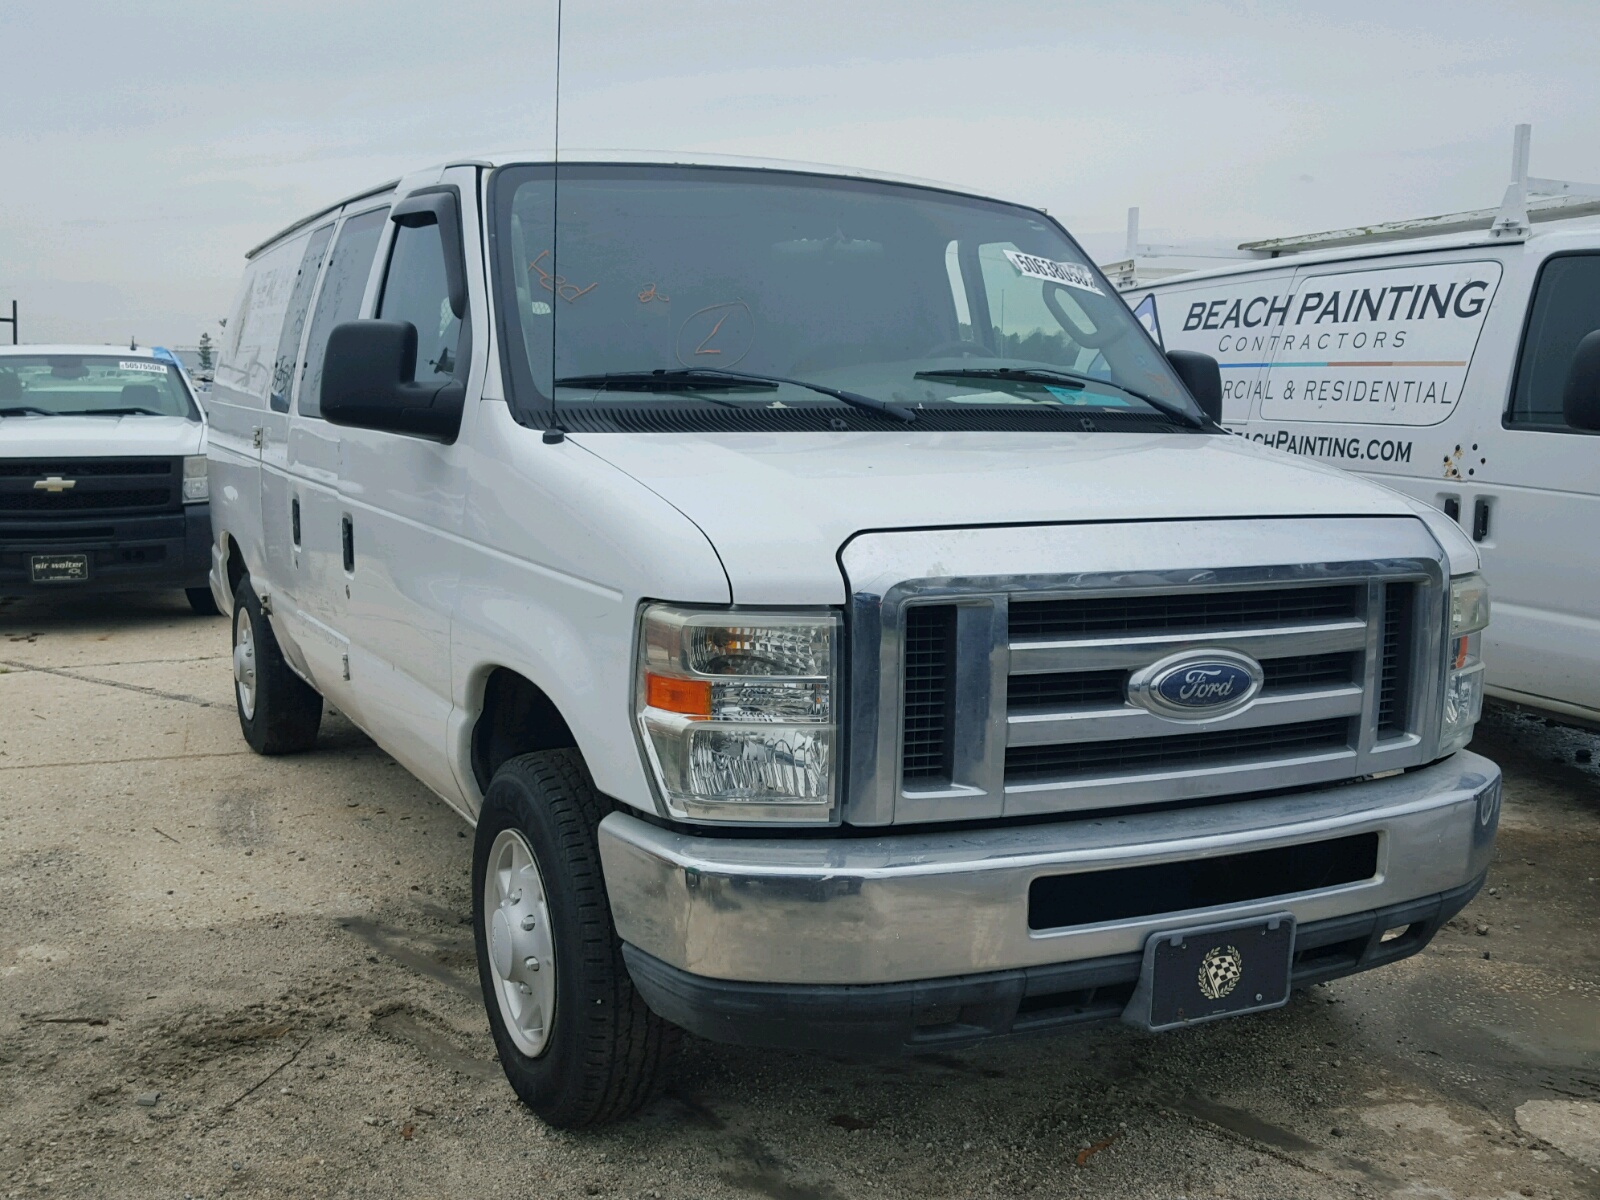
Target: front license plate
59 568
1194 975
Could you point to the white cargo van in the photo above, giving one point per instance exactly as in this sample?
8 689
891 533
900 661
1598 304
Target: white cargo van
836 614
1462 369
103 482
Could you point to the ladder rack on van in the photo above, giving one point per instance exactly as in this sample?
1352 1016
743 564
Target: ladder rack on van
1528 200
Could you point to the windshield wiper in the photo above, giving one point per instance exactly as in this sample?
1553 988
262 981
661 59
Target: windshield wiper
853 399
1070 379
662 381
701 377
25 410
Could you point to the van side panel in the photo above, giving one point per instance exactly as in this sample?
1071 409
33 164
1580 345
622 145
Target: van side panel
311 467
238 405
1530 498
403 498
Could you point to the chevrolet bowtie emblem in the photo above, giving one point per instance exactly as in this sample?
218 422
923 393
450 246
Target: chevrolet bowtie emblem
54 483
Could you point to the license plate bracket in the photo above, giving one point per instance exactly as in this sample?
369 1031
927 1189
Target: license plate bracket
58 568
1204 973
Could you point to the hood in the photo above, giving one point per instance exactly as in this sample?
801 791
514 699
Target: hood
777 508
100 437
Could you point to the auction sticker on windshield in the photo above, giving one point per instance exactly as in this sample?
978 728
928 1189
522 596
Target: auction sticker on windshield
1073 275
153 368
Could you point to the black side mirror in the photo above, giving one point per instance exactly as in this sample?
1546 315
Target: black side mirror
1203 378
1580 399
369 376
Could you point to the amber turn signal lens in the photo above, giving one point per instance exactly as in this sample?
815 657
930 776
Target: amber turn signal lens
692 697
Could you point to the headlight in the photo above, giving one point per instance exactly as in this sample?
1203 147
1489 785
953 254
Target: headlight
737 711
1463 675
196 486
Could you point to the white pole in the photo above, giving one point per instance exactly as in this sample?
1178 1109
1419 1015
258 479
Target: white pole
1512 219
1519 153
1132 249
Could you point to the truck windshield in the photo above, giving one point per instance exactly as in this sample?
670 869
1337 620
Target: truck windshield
713 297
71 385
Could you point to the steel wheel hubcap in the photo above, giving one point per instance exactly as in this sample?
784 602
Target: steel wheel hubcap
521 952
244 662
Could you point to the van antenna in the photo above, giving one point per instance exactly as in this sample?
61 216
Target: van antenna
555 434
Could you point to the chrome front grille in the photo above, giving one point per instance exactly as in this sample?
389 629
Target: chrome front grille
1191 611
1008 695
1393 675
930 645
1111 759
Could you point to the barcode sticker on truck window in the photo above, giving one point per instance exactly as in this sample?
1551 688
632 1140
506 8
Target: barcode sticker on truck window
153 368
1073 275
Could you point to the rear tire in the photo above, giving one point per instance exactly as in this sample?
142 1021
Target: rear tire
278 711
581 1048
203 602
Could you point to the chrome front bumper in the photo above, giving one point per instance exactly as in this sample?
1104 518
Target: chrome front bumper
930 905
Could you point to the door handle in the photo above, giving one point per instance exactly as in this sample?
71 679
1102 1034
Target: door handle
1480 519
294 520
347 535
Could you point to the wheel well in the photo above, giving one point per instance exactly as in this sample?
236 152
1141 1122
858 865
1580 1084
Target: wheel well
235 566
517 718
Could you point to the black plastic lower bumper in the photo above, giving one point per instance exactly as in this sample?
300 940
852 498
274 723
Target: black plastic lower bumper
894 1018
166 550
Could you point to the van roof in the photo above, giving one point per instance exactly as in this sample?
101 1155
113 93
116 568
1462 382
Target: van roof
1578 231
666 158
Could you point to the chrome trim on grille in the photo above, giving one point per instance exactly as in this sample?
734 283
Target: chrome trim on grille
1109 724
1093 653
1133 561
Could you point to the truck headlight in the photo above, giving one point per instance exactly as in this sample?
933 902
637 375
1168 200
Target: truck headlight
737 711
1463 673
196 484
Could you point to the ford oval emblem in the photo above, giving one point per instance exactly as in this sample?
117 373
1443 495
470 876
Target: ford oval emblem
1197 685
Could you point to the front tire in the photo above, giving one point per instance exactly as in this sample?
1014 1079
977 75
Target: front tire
278 711
577 1043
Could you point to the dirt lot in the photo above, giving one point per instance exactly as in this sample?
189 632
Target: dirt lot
227 975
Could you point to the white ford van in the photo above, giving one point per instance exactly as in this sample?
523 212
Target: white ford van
1462 369
841 622
102 474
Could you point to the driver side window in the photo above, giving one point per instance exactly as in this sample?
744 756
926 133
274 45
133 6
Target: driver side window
416 289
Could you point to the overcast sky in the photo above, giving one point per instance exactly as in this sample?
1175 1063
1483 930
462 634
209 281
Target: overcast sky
145 147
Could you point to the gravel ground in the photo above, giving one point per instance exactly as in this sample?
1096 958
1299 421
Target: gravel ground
227 975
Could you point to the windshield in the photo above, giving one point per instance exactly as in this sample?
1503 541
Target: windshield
66 385
735 298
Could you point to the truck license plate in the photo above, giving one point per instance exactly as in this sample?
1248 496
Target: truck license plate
1195 975
59 568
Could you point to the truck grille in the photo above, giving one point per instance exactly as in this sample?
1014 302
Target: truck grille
1393 675
1192 749
74 487
1337 663
1220 610
930 642
1090 688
